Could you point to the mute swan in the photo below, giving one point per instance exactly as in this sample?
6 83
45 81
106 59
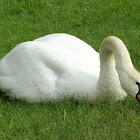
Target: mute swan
61 64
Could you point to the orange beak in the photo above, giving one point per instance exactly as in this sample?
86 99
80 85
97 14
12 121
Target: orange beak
138 98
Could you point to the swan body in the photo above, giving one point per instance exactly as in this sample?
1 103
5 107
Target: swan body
60 64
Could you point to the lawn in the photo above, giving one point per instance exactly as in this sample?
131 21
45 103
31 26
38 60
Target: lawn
91 21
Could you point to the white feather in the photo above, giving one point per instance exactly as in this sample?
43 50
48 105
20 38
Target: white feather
60 64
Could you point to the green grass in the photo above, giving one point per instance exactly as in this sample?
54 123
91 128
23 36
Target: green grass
91 21
67 121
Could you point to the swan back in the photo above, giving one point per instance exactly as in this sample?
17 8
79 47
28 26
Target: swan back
50 67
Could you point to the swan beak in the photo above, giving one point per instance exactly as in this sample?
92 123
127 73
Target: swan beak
138 97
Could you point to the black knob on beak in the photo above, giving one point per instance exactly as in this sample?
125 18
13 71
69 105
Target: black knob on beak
138 94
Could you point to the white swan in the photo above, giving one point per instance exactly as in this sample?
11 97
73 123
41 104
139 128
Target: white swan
60 64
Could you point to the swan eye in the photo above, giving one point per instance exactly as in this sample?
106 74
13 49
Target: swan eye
137 83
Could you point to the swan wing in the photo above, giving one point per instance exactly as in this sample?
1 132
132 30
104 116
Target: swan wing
33 68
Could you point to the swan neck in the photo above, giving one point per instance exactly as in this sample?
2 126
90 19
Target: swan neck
113 45
114 62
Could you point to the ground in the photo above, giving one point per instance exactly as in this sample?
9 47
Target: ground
91 21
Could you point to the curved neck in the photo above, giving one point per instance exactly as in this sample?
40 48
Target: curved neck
114 60
113 45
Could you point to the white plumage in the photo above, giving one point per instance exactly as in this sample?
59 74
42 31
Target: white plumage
60 64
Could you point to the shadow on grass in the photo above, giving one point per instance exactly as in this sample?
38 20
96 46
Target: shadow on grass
128 104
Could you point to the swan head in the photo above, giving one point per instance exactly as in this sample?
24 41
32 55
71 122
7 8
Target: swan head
138 86
131 83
